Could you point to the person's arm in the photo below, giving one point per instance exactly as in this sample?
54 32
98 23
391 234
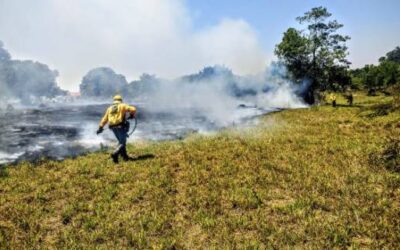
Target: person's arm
103 122
130 109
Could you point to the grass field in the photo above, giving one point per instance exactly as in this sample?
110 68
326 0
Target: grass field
320 177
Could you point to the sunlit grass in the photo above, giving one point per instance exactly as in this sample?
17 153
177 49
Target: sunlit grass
306 178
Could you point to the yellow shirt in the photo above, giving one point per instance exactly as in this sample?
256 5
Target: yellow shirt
332 97
115 114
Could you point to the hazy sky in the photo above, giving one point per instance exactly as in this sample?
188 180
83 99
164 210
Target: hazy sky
374 25
174 37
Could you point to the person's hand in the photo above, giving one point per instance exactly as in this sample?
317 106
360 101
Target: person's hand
131 116
100 130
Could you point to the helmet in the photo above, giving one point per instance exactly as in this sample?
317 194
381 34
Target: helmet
117 98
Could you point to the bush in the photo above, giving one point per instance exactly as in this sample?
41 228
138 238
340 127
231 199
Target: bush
395 92
389 158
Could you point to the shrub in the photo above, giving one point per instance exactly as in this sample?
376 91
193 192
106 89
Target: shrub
389 158
395 91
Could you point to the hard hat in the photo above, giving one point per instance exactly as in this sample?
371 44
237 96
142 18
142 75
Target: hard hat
117 98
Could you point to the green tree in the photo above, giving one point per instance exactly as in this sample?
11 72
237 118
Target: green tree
317 53
371 76
381 76
394 55
294 50
390 73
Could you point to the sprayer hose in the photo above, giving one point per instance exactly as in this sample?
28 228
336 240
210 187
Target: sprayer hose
134 126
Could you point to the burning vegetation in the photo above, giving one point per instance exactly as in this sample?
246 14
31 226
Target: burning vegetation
318 177
277 185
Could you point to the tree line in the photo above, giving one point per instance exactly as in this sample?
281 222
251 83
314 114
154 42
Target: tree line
318 53
26 80
379 77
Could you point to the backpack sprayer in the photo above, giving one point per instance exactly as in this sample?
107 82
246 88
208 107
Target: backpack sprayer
126 124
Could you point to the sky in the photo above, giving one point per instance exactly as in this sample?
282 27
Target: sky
171 38
373 25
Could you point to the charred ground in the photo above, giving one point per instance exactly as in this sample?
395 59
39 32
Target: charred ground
318 177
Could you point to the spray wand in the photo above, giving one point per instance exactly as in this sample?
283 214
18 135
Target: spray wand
134 126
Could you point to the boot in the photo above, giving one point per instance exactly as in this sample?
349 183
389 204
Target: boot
114 157
116 153
124 154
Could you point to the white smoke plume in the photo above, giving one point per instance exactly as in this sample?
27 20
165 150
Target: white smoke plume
130 36
108 40
222 97
26 80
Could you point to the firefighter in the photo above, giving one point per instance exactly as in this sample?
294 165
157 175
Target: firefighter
350 98
332 99
115 116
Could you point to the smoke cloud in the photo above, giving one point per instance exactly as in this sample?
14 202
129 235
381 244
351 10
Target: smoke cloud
215 93
25 80
224 98
130 36
96 43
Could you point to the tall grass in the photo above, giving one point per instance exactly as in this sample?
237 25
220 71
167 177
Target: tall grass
302 178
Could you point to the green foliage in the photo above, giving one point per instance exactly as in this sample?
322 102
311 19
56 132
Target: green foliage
395 91
26 79
378 77
317 53
294 48
391 155
102 82
393 56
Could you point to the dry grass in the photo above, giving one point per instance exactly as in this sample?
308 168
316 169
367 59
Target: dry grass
309 178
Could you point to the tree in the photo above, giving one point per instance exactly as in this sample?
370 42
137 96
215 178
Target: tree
4 55
382 76
390 73
4 72
317 53
294 50
26 80
146 84
102 82
33 79
394 55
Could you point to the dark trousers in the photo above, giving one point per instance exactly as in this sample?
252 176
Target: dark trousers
121 135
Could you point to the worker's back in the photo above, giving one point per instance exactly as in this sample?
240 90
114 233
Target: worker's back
116 114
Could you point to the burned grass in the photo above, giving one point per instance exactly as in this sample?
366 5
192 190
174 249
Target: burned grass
302 178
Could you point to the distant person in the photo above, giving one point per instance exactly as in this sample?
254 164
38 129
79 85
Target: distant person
115 116
350 98
332 99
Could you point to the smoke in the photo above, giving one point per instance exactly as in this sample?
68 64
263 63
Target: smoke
207 99
218 95
25 80
215 93
279 91
102 82
167 109
130 36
